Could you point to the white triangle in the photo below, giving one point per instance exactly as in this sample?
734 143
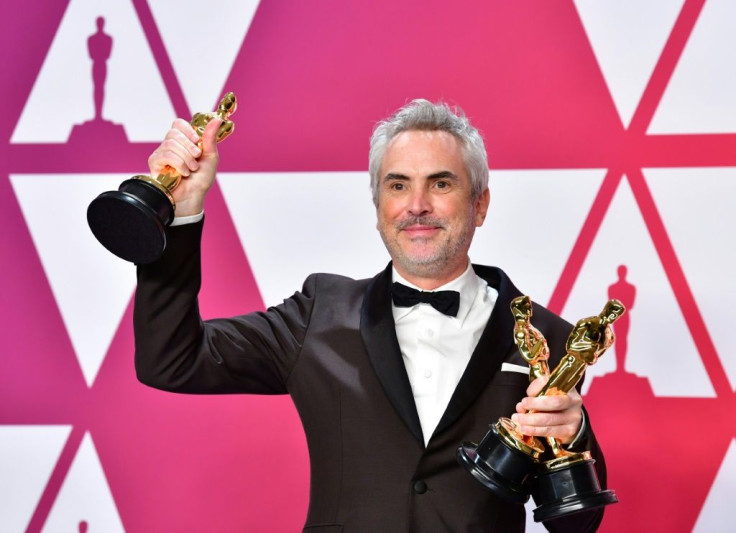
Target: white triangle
91 286
716 516
84 496
204 56
697 206
526 232
62 96
627 37
294 224
660 345
28 455
531 525
699 97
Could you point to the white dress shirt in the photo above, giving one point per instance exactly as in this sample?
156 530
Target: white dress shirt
436 348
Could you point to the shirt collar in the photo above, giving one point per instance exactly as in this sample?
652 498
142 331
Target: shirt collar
467 284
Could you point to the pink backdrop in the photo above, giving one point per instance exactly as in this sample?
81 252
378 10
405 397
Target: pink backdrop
611 130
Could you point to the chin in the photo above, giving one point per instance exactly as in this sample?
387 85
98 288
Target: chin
424 266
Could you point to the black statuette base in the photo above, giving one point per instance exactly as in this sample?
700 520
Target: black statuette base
569 490
131 222
502 469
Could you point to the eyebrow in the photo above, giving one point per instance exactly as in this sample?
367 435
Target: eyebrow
393 176
442 174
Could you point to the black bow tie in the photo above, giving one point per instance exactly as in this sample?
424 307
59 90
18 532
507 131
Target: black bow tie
446 302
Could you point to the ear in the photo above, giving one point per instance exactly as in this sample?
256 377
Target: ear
481 207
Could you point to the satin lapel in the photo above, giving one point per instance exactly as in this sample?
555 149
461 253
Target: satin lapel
495 342
379 336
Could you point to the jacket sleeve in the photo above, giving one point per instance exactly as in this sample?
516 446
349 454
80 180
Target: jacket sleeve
176 351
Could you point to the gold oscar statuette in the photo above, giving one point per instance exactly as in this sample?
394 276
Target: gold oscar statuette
131 222
509 462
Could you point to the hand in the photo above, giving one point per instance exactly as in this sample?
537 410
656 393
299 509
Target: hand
198 168
557 416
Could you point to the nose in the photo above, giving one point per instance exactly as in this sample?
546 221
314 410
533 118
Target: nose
419 202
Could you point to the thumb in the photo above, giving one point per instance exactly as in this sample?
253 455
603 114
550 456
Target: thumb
209 137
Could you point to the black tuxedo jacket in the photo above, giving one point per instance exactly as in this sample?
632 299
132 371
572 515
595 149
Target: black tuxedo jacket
333 348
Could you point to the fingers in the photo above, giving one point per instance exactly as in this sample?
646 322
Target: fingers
185 128
557 416
536 385
560 427
559 402
179 150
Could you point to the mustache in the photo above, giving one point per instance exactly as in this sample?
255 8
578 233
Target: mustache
420 221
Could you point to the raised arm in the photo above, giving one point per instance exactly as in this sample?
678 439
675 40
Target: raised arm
175 349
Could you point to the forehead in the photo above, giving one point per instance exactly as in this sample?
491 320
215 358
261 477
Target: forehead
423 151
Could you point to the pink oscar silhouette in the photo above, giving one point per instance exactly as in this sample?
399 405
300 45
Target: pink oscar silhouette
621 380
98 131
625 292
99 46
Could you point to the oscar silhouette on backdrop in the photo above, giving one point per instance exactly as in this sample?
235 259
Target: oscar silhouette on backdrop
99 131
99 46
621 380
625 292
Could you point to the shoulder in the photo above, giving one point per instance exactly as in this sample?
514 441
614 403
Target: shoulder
552 320
542 318
326 285
335 281
329 291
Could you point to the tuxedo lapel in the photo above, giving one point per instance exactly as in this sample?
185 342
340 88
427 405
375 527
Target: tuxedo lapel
495 342
379 336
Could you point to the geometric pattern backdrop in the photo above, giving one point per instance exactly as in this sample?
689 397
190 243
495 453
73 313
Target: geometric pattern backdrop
611 131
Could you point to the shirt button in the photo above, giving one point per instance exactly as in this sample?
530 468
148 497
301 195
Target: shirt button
428 373
430 333
420 487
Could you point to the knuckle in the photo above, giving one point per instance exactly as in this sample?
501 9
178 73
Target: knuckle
560 403
541 404
547 420
169 144
157 159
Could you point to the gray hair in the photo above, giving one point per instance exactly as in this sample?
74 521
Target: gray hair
423 115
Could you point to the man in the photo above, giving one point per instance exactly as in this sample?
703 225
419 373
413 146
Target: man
386 389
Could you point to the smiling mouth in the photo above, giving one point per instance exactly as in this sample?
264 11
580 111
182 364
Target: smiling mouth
421 230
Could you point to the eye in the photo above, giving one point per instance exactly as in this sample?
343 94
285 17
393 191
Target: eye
442 185
397 186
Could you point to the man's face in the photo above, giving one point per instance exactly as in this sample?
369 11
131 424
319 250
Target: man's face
425 214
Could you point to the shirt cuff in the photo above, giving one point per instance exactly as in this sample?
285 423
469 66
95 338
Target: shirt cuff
581 433
191 219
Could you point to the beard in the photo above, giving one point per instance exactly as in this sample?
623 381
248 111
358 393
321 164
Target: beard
440 252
